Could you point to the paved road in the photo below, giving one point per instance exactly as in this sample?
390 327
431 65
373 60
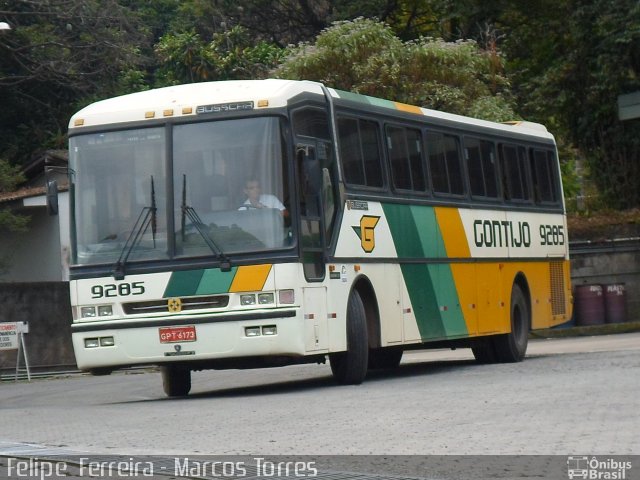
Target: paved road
570 396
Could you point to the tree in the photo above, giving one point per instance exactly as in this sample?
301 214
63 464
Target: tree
60 55
365 56
570 78
10 221
230 55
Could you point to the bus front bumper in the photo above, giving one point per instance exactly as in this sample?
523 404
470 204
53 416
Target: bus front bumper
123 343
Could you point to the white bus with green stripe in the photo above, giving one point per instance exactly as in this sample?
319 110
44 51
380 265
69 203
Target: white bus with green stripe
250 224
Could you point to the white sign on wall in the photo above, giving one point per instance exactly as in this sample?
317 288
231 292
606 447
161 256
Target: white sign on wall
12 338
9 335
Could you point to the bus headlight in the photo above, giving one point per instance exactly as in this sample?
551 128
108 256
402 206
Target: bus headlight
105 310
247 299
91 343
270 330
252 331
266 298
87 312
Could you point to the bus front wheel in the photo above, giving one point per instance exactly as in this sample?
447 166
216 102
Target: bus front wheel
350 367
176 381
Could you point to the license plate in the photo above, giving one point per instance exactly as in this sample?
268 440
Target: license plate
177 334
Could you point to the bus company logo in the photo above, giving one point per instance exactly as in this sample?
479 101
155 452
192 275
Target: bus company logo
596 469
174 305
366 232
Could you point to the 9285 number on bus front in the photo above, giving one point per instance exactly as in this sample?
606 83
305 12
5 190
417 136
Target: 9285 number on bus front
123 289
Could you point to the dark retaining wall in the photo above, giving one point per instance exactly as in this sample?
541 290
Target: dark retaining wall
47 308
609 263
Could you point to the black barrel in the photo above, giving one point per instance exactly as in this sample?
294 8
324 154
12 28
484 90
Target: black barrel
589 305
615 303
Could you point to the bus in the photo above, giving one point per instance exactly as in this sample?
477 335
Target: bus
262 223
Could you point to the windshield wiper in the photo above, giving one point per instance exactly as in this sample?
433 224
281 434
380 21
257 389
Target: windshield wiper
148 216
188 211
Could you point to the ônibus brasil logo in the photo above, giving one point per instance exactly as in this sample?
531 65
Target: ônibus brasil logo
597 469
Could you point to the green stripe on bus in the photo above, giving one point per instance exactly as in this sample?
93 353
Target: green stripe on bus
216 281
428 231
183 283
419 281
431 288
378 102
199 282
451 312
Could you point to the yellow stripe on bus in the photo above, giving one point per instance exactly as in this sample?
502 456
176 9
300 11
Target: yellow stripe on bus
250 278
455 239
403 107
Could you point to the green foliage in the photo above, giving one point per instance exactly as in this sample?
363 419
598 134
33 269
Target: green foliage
571 77
10 177
57 55
230 55
559 63
365 56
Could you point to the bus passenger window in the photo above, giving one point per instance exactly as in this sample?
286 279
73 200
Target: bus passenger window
444 164
514 172
544 176
360 152
405 155
481 166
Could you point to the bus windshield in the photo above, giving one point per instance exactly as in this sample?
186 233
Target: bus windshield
229 192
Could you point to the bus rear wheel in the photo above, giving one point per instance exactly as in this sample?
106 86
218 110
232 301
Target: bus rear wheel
512 347
350 367
484 353
176 381
382 358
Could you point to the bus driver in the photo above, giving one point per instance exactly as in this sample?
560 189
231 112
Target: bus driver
255 199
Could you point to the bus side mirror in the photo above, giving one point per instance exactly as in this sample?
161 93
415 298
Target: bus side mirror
52 197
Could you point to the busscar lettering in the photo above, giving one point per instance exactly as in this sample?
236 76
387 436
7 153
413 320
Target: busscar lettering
501 233
224 107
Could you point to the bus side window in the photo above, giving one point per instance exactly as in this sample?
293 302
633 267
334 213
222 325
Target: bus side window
404 146
514 172
481 166
360 152
544 183
444 164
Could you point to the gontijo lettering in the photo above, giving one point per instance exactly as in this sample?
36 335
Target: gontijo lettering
496 233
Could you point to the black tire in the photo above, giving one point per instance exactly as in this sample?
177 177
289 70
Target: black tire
383 358
484 353
350 367
176 381
512 347
100 372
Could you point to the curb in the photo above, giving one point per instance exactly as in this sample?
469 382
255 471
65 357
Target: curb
587 331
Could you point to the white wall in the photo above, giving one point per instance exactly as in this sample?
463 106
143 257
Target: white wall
41 253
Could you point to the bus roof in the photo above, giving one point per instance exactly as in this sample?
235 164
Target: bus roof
184 100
